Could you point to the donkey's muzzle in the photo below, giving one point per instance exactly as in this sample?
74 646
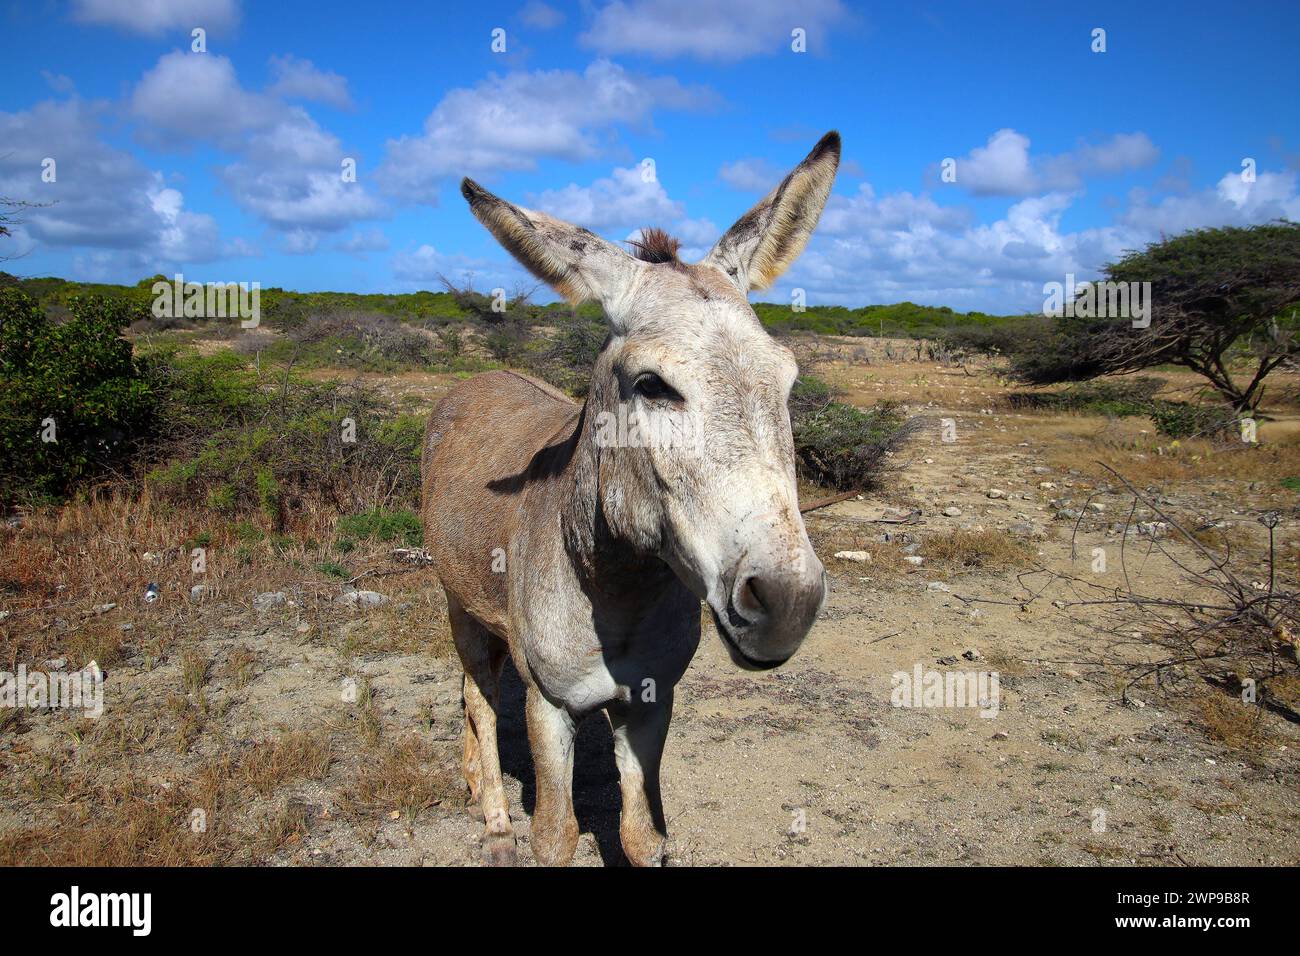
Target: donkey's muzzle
771 609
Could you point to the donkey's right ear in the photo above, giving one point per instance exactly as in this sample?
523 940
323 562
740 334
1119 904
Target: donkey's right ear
574 261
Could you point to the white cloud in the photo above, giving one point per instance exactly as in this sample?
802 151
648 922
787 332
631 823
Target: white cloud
101 197
361 242
626 198
154 17
896 247
300 79
725 30
1004 166
289 170
509 122
750 175
1232 202
421 267
540 15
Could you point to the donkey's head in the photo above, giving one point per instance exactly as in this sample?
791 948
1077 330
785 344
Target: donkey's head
687 406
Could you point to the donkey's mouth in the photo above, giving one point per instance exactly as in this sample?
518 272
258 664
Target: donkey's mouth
740 658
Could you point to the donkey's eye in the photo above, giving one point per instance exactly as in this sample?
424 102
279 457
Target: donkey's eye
653 387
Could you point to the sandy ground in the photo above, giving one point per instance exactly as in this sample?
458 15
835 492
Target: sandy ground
807 765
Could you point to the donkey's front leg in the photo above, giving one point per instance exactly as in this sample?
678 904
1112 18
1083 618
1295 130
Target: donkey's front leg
550 737
640 730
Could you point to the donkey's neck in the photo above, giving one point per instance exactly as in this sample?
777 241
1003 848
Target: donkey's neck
609 565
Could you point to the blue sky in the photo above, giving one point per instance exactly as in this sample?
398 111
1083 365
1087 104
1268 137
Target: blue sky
226 165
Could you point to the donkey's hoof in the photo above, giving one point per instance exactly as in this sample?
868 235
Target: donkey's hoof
645 852
499 850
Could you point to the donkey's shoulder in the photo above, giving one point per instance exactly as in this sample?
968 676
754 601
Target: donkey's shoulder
503 414
504 387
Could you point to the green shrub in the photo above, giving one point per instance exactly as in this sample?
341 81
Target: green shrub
1116 398
840 445
381 524
1181 420
76 383
275 442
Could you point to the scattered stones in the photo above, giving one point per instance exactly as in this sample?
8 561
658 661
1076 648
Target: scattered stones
862 557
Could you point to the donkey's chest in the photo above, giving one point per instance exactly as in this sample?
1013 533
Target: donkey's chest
590 663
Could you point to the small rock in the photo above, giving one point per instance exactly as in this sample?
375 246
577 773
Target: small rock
1001 735
995 493
1067 514
1047 485
914 559
269 599
1041 470
972 655
363 598
103 608
937 586
198 592
1025 529
947 661
57 664
862 557
952 511
303 627
1096 506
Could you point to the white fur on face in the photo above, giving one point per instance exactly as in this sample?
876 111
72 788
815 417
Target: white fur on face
732 497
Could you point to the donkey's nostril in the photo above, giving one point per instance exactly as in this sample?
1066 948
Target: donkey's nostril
751 597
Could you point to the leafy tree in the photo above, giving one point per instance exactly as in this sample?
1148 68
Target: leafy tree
1216 295
71 396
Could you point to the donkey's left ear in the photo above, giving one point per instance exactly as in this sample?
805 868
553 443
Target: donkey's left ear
576 262
765 240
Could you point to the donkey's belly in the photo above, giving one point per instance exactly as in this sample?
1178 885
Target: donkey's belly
486 442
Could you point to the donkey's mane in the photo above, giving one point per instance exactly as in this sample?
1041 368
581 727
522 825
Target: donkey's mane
655 245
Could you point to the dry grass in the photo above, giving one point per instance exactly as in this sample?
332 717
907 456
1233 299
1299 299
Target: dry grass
400 780
976 550
238 668
90 815
295 755
1229 721
1147 460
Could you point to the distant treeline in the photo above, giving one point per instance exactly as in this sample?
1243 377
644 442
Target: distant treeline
901 320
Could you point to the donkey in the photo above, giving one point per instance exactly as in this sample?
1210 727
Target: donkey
585 558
